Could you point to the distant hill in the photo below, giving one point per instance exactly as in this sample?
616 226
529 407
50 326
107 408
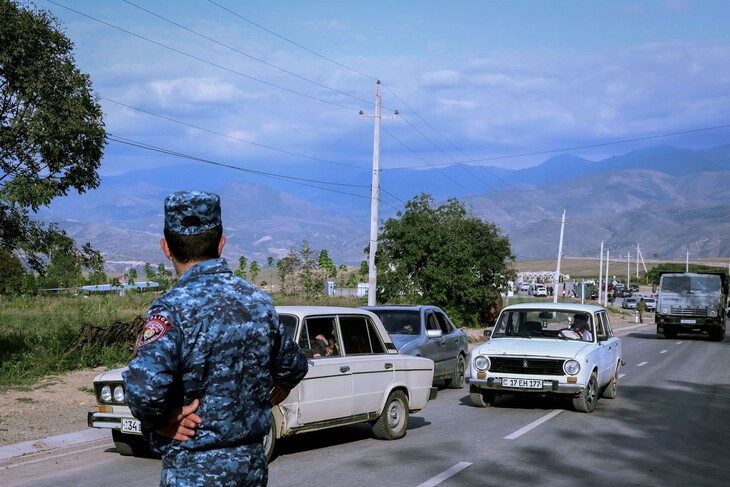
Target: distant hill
665 199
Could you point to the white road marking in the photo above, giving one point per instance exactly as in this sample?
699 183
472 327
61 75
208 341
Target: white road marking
664 351
678 343
641 364
621 376
445 475
533 425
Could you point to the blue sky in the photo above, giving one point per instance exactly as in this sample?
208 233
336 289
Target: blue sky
477 82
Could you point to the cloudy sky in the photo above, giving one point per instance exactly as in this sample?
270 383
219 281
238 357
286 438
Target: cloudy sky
498 83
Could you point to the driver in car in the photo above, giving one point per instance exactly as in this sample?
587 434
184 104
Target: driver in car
580 326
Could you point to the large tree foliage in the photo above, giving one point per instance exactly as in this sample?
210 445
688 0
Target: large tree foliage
443 256
51 127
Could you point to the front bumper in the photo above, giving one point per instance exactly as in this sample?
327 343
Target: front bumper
112 421
552 386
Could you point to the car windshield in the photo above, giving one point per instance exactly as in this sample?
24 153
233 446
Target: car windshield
399 321
544 323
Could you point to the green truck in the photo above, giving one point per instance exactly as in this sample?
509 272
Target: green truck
692 303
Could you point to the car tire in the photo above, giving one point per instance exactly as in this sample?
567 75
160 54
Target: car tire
670 332
458 379
393 421
270 441
585 402
481 398
610 389
130 445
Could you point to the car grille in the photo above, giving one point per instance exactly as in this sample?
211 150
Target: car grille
532 366
687 311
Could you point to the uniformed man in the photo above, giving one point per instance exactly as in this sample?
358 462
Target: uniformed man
211 358
640 308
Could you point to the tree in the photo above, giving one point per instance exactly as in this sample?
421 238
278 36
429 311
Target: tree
443 256
287 268
307 267
12 275
51 128
241 271
67 262
254 269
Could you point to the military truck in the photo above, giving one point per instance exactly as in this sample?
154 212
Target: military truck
691 303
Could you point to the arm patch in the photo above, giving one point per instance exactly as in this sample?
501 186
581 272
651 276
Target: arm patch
155 327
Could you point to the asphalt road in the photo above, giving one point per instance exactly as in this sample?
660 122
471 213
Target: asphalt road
668 427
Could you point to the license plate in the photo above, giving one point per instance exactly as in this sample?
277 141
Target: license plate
688 322
131 426
522 383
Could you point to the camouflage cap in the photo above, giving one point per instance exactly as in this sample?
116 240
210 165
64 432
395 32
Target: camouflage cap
192 212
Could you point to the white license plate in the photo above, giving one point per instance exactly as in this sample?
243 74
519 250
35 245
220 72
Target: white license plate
522 383
131 426
688 322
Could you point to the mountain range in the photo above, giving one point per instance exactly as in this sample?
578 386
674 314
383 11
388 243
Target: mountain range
667 200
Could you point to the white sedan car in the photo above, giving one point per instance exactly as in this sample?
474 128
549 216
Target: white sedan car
536 349
356 375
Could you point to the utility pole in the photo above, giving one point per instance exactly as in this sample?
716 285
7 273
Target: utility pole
605 294
374 199
600 275
556 281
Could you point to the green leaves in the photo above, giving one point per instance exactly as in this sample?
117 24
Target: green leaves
445 257
52 132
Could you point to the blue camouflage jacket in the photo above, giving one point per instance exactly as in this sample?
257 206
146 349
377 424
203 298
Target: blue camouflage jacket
216 338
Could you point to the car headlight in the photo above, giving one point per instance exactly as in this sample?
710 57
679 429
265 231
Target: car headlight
481 363
713 313
106 394
665 311
571 367
119 393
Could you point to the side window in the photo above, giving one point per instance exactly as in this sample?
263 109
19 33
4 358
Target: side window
317 338
359 336
602 331
431 321
444 324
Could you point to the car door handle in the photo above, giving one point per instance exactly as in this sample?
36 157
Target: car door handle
388 365
344 368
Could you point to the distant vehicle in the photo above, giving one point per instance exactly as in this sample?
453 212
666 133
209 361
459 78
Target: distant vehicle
634 288
692 303
629 303
540 291
621 292
650 304
524 287
534 351
426 331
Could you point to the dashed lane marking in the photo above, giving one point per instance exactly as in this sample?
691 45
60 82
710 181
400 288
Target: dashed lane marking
533 425
445 475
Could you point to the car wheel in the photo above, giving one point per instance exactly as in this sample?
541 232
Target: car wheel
670 332
480 398
393 421
610 390
270 441
586 400
130 445
457 380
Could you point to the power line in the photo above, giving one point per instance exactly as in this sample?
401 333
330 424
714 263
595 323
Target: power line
170 119
202 60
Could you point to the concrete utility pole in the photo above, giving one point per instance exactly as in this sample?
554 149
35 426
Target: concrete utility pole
556 281
374 199
600 276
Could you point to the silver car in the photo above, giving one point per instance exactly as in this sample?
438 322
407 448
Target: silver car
426 331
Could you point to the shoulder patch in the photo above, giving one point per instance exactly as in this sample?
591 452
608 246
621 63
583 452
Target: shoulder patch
155 327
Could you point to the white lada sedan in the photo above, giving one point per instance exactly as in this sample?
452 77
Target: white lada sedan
356 375
540 348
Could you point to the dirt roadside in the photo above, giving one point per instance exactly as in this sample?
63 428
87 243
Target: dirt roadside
59 405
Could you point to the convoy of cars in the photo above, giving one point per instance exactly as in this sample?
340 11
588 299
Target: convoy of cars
365 380
385 360
534 350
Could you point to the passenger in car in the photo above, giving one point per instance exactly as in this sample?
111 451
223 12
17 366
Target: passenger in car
580 326
322 346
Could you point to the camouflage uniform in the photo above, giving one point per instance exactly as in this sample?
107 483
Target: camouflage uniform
216 338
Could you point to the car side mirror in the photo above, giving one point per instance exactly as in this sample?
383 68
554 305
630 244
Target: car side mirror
488 333
434 333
